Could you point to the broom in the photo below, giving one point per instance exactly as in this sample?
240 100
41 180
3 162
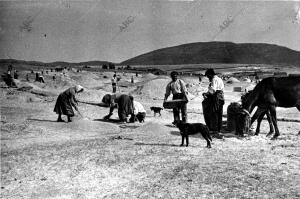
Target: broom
101 104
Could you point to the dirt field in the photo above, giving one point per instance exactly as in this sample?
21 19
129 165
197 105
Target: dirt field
93 158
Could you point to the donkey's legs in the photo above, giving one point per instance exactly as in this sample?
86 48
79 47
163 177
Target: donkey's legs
270 124
274 121
259 119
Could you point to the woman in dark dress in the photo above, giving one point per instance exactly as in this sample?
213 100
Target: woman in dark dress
125 105
65 101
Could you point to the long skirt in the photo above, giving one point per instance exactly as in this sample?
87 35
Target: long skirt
63 105
125 107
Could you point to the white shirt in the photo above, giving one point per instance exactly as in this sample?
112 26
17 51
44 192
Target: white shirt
216 84
138 107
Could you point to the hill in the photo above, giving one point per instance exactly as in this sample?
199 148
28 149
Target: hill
58 63
218 52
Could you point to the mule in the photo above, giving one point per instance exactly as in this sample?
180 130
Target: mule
274 92
259 115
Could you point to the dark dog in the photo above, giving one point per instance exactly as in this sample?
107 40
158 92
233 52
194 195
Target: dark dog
156 110
187 129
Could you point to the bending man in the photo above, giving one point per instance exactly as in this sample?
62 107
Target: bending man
125 106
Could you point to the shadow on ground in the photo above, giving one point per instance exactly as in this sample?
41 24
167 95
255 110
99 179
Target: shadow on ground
41 120
155 144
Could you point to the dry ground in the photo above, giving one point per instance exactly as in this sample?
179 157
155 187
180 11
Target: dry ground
92 158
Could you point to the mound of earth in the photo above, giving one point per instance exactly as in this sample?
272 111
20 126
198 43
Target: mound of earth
87 79
153 88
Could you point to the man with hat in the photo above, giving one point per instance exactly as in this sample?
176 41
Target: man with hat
178 89
213 101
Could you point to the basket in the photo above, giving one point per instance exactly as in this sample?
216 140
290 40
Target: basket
174 103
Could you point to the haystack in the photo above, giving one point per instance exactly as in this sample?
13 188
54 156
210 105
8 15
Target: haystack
232 80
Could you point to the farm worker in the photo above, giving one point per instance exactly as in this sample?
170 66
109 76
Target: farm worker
114 82
16 75
41 79
139 111
9 69
213 101
178 89
125 106
37 77
65 101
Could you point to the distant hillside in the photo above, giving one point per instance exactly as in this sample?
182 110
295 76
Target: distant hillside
218 52
58 63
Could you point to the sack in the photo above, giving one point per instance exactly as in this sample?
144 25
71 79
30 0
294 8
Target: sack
243 121
232 112
210 117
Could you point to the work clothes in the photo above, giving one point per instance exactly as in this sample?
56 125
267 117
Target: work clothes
125 105
179 91
65 101
139 112
213 104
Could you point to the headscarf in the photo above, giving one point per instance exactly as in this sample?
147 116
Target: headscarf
78 88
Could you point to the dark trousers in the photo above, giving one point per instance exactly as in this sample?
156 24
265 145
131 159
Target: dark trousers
114 86
220 113
213 112
182 109
125 107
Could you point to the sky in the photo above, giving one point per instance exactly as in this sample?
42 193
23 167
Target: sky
116 30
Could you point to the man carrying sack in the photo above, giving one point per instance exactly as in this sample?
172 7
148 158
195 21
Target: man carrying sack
213 101
179 91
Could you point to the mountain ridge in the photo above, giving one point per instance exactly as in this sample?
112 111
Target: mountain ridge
218 52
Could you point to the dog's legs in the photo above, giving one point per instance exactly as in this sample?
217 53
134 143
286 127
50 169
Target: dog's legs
208 143
159 114
207 137
182 140
187 140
